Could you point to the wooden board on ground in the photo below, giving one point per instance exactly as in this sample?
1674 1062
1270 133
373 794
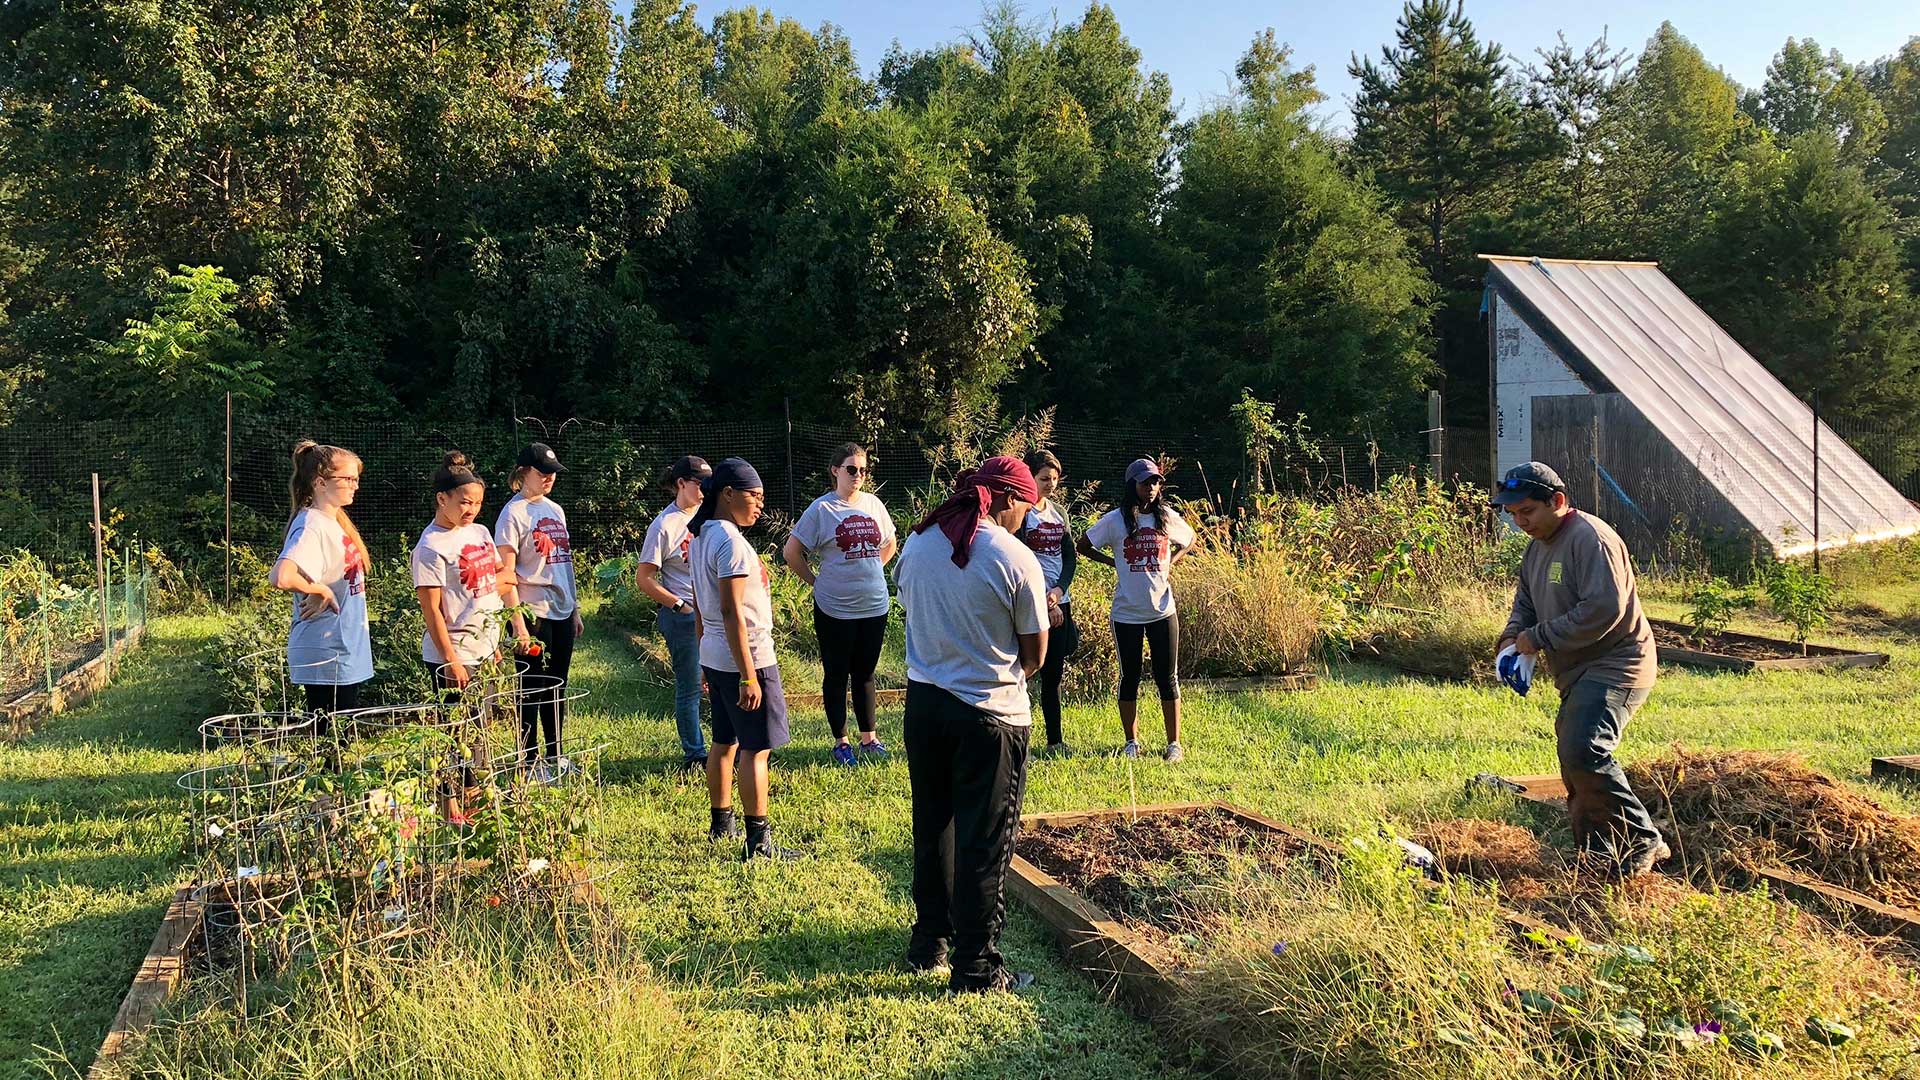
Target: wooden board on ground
22 715
1298 680
160 972
1873 916
1126 963
1903 767
1816 656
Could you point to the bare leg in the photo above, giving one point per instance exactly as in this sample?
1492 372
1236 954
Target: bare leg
1170 712
720 776
753 783
1129 718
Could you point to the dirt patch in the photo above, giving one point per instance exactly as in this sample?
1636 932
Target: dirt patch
1157 874
1732 812
1739 646
1538 880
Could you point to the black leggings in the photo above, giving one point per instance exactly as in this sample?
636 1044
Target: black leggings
544 709
1164 638
1061 642
849 652
325 699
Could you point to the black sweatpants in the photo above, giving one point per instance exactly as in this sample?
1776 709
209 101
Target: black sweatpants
1062 640
541 708
325 699
849 653
968 772
1163 638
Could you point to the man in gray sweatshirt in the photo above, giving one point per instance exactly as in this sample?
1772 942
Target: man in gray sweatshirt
1577 609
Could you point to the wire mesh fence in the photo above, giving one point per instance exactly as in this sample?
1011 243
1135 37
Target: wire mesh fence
52 623
167 480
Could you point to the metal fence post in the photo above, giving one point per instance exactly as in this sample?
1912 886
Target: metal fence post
1436 434
100 568
227 472
46 636
1816 480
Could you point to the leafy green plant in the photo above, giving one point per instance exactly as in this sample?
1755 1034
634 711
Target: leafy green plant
1801 597
1712 605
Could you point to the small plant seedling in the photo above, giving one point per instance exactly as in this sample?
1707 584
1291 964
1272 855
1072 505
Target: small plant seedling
1801 597
1713 604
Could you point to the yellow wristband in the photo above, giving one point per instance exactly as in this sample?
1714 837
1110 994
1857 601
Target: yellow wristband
749 679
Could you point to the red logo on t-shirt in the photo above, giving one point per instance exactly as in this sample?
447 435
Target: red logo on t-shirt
686 545
1144 550
356 568
1046 537
858 537
478 566
550 539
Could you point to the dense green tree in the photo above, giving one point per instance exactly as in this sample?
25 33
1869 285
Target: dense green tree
1807 90
1895 83
1295 280
1567 207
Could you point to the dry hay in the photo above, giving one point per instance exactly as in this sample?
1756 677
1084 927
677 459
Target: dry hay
1488 850
1743 810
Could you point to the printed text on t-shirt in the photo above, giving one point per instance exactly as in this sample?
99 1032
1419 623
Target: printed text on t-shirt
1046 537
355 568
479 564
858 537
550 539
1144 550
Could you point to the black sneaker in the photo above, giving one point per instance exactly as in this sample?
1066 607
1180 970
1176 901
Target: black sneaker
696 763
1004 979
723 827
771 851
927 954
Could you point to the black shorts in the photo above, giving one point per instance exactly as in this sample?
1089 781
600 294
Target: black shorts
765 728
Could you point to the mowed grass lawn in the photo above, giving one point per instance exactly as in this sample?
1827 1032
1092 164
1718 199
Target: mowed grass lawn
793 971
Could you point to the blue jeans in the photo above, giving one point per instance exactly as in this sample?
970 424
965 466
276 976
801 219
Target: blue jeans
1607 818
683 645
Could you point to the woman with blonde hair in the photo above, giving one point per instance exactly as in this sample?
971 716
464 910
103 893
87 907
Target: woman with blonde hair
323 563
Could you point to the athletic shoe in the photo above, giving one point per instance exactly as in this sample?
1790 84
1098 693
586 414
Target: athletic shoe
927 954
1004 979
771 851
541 773
1058 750
843 755
1645 859
875 750
1131 750
695 763
1174 753
563 767
725 828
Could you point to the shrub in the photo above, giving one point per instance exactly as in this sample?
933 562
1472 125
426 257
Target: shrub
1712 604
1245 613
1454 639
1801 597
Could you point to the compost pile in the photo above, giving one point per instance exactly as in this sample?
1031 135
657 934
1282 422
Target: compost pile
1743 810
1490 851
1538 880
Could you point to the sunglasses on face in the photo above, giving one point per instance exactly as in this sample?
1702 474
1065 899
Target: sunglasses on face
857 470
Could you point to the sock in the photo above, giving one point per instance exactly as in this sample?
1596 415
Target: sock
722 821
756 831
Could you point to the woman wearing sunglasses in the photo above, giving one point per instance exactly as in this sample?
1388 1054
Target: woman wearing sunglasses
850 535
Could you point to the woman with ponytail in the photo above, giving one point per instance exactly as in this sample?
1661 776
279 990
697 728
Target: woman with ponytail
1146 537
531 533
323 562
456 577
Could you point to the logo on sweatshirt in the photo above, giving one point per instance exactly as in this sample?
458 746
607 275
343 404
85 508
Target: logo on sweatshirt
550 540
858 537
479 564
1145 550
1554 572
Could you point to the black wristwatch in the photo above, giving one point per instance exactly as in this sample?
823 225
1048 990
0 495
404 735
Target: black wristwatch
678 604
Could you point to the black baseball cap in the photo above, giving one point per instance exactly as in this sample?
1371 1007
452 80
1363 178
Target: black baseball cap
1532 480
691 467
540 456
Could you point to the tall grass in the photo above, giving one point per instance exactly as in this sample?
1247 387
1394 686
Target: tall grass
1366 975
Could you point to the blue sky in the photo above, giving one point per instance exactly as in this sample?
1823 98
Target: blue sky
1197 41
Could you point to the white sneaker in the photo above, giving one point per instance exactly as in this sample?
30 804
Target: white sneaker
1131 750
1174 753
563 767
541 773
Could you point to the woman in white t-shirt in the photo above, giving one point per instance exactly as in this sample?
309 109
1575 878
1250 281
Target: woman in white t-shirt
457 579
850 534
665 577
1146 537
1049 534
323 561
537 555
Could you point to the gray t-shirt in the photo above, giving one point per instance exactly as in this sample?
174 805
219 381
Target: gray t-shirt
719 553
536 532
465 566
964 626
666 546
1141 592
1047 535
332 648
847 536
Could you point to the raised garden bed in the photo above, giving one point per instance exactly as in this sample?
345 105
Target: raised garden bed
1296 680
1729 651
179 936
1080 872
1845 905
23 714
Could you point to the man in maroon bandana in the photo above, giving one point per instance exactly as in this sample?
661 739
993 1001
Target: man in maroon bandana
976 603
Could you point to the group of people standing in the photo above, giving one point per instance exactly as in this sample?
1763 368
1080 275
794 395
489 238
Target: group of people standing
985 580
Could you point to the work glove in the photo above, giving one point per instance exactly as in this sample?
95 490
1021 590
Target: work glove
1515 670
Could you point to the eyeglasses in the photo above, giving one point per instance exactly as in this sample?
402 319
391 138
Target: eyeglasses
857 470
353 480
